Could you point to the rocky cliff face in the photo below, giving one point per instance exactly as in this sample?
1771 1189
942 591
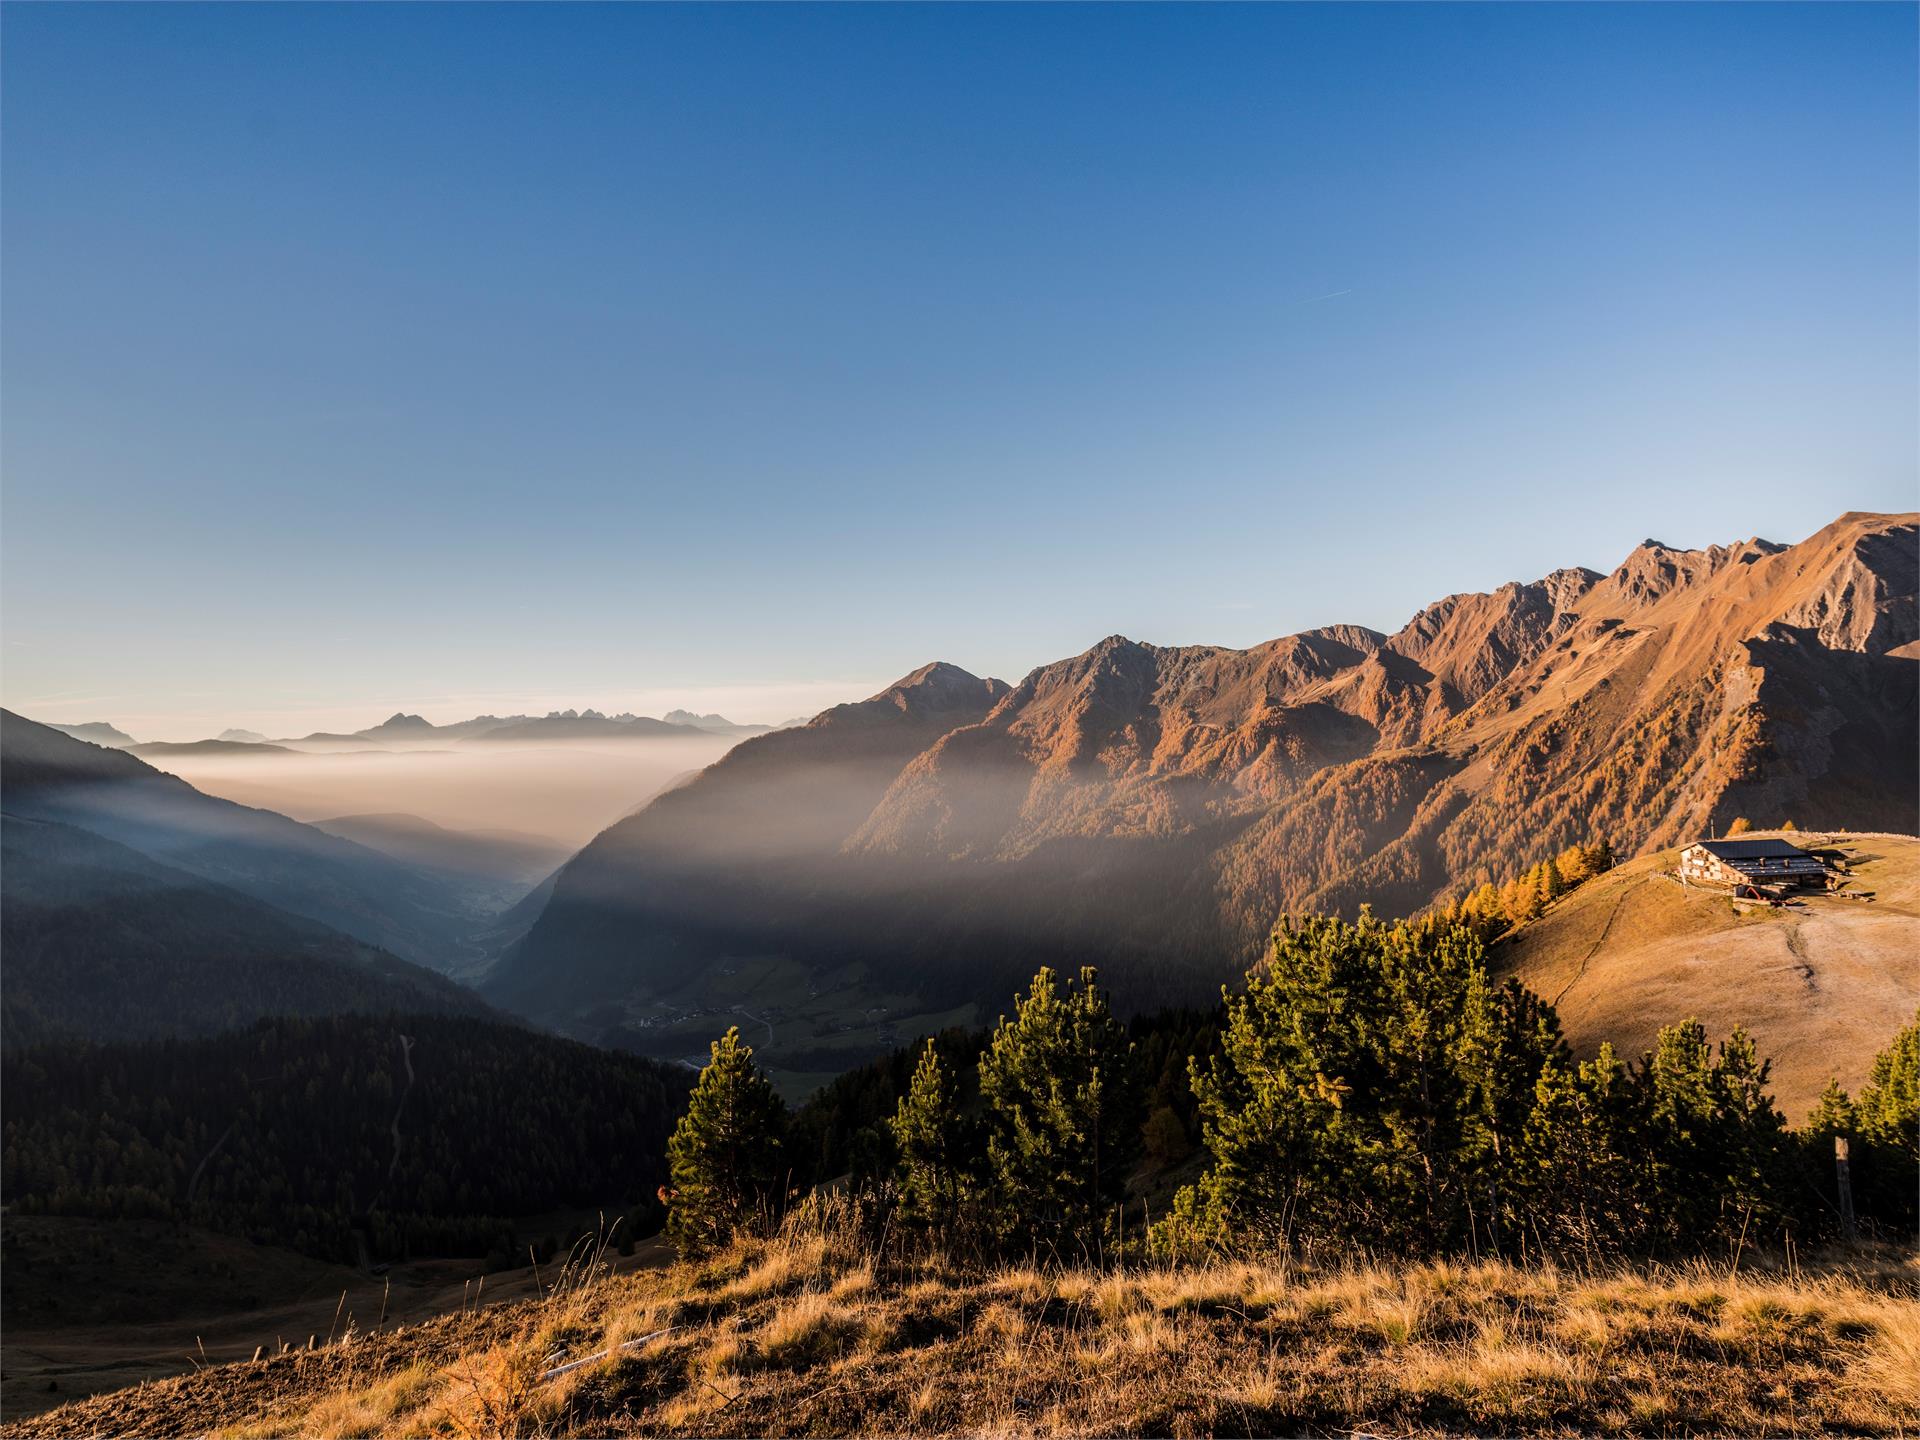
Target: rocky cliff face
1157 807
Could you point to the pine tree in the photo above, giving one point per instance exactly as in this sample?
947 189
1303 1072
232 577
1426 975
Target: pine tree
1888 1117
1833 1115
1165 1137
1756 1133
1889 1110
1063 1115
1370 1088
934 1149
1587 1156
725 1154
1717 1143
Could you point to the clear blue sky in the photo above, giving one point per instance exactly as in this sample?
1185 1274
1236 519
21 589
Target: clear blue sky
360 357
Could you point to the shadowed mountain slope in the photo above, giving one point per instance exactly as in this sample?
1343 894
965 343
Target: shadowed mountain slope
1154 808
103 943
501 857
49 776
741 842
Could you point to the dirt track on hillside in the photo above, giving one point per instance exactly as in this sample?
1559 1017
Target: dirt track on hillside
1821 985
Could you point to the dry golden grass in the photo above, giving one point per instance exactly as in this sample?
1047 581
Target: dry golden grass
806 1335
1821 987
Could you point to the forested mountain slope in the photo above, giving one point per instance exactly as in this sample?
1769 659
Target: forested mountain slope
426 1135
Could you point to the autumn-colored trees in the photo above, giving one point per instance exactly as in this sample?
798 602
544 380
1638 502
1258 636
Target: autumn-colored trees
1492 909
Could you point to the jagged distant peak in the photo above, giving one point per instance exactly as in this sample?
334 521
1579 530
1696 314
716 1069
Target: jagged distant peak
1561 588
938 688
1109 652
687 717
400 720
96 732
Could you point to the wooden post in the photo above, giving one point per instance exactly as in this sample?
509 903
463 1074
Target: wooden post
1840 1170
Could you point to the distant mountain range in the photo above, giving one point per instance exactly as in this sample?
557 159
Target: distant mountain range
1152 809
720 725
411 731
163 748
588 725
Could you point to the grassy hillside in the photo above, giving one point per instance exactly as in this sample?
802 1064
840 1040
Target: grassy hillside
1821 985
94 1305
803 1335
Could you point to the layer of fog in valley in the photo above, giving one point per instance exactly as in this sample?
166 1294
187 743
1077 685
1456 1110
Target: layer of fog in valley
532 797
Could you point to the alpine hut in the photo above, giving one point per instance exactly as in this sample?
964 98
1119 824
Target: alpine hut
1750 862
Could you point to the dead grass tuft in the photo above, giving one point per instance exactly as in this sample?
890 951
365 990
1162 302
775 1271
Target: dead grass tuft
809 1330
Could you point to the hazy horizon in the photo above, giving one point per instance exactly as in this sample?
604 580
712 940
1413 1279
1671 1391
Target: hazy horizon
194 719
743 703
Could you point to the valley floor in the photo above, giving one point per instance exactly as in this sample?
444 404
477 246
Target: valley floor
803 1335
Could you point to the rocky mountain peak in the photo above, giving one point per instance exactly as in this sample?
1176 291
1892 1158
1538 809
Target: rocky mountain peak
1652 571
1866 597
937 692
940 685
1565 587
